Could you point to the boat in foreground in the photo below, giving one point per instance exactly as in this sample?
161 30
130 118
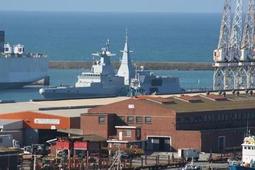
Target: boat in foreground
248 156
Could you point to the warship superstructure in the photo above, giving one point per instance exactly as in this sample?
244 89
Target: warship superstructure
101 81
144 82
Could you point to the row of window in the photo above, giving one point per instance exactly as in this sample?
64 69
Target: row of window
129 119
136 119
127 133
216 117
249 147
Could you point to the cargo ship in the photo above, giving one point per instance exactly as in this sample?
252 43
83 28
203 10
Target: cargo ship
18 68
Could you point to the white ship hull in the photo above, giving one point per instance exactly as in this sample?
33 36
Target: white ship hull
16 72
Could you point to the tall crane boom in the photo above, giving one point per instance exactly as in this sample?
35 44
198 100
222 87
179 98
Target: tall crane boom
247 45
225 26
221 53
236 33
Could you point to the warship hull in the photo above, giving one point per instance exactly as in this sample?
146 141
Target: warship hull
79 92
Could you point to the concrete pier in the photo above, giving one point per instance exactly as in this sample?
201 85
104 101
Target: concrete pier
185 66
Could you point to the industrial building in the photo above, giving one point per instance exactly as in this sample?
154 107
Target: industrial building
207 122
38 121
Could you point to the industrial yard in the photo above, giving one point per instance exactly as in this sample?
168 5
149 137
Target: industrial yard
98 128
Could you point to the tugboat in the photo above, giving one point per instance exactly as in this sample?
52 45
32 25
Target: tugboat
101 81
248 155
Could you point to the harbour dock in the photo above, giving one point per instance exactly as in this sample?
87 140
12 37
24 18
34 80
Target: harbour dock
184 66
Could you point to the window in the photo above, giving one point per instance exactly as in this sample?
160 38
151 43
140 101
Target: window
1 140
139 119
148 120
236 116
101 119
127 133
138 133
130 119
122 118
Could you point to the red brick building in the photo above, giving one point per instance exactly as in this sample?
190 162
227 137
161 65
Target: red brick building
205 122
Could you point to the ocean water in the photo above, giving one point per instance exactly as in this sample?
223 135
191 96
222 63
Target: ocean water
152 37
188 80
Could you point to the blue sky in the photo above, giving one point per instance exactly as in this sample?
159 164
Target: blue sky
197 6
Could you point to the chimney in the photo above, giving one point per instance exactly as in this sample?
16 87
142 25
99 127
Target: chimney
2 41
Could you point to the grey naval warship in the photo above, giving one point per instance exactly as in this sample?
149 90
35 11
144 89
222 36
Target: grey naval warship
18 68
102 81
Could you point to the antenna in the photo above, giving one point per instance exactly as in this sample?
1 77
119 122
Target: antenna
247 126
126 35
108 44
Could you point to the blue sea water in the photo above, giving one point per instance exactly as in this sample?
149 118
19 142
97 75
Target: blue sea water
188 80
152 37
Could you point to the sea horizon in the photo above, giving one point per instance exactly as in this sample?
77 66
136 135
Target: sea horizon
152 36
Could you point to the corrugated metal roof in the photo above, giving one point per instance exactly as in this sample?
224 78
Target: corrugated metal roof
68 108
73 108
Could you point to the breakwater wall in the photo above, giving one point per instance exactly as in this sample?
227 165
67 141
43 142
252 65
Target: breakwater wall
147 65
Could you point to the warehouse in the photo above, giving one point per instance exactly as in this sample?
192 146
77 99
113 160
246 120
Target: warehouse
38 121
207 122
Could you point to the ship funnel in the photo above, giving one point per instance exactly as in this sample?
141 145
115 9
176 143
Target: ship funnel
7 49
18 49
2 40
